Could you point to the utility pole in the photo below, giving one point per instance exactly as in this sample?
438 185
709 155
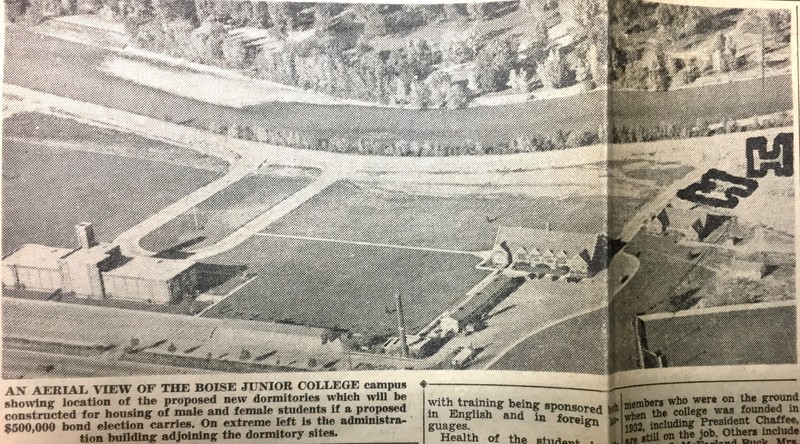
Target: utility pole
401 324
763 55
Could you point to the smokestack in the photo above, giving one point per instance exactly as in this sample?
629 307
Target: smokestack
85 234
401 325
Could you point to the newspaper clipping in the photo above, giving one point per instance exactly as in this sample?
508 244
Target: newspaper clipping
518 222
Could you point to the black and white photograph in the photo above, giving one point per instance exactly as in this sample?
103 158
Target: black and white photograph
236 186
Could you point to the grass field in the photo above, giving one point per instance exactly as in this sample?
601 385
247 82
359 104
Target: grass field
47 191
575 346
227 210
349 212
726 338
665 272
344 286
38 126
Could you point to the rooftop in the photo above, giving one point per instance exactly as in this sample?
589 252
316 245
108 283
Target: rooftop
91 255
543 240
37 256
143 267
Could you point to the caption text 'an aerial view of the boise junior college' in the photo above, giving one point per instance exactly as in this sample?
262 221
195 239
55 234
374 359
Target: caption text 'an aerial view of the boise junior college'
195 186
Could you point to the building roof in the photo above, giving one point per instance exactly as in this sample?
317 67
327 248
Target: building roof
37 256
546 240
91 255
729 335
465 353
681 219
150 268
500 284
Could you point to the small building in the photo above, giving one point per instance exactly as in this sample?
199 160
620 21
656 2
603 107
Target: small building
479 304
696 224
34 267
463 357
152 280
744 269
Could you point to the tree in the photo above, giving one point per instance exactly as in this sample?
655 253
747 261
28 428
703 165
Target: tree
458 48
475 11
518 80
235 53
493 64
439 84
453 12
457 96
282 16
374 20
419 95
553 71
419 57
658 76
172 10
207 42
597 57
323 12
244 355
723 58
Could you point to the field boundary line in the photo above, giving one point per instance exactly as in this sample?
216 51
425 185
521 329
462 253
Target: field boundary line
368 244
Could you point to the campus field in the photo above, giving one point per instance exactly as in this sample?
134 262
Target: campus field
347 211
575 346
228 209
725 336
71 134
344 286
665 279
46 191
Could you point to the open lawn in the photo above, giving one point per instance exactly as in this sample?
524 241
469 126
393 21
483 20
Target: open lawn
343 285
47 191
666 278
225 211
726 337
79 136
467 222
575 346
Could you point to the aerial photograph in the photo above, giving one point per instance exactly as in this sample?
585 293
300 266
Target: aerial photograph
234 186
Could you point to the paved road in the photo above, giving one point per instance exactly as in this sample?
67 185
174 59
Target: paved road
24 364
246 157
268 217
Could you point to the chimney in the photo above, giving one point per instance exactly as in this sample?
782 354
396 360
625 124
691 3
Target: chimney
401 325
85 234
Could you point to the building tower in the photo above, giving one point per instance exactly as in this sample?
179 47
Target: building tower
85 234
401 324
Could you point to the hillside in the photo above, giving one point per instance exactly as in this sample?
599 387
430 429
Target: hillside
433 56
